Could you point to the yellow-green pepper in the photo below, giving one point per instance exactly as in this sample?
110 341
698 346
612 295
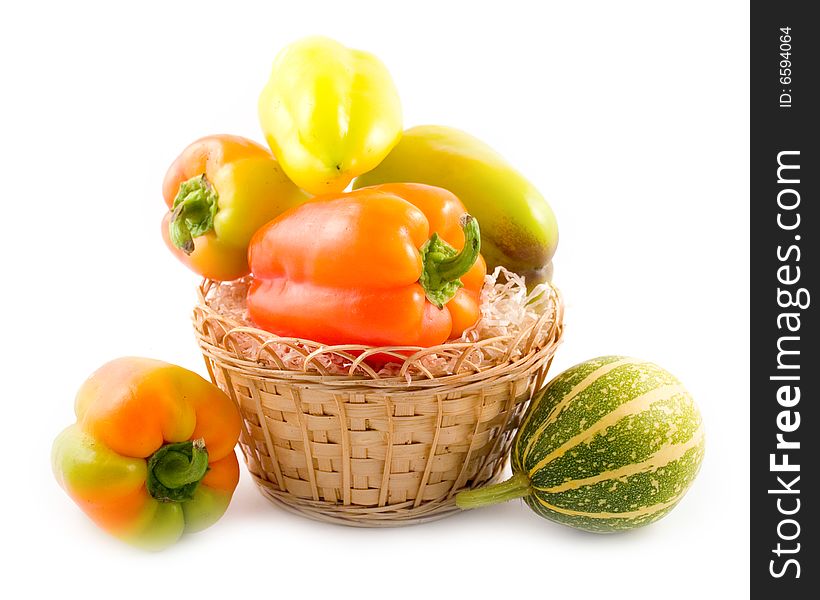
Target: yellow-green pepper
329 113
518 228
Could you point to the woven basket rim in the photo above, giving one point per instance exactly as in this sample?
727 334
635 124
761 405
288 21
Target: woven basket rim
533 343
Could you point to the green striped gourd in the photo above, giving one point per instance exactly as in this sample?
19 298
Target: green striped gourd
611 444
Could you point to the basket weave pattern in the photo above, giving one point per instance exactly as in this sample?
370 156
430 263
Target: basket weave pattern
367 450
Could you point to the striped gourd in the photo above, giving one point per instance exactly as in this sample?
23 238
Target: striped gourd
611 444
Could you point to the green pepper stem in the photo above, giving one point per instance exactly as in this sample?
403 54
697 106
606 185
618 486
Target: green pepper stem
443 265
175 470
458 265
516 486
194 209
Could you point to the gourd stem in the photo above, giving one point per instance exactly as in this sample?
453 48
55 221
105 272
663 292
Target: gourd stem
516 486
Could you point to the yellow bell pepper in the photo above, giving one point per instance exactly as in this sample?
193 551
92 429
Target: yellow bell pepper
329 113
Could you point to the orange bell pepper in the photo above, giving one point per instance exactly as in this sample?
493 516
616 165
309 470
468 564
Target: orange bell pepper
152 452
362 268
219 191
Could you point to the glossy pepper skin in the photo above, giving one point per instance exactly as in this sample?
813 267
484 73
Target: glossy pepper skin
518 227
383 266
219 191
329 113
152 452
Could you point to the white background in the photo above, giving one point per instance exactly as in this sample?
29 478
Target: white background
632 118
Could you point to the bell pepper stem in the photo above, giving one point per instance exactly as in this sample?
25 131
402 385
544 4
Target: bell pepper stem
443 265
194 209
175 470
516 486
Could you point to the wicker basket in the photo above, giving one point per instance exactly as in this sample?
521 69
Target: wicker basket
364 449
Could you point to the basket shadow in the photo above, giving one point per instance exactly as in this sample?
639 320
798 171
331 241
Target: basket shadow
513 518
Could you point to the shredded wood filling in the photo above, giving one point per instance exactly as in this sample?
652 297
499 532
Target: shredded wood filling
513 321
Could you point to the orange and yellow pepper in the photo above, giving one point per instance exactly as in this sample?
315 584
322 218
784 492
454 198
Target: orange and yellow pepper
219 191
388 265
152 452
